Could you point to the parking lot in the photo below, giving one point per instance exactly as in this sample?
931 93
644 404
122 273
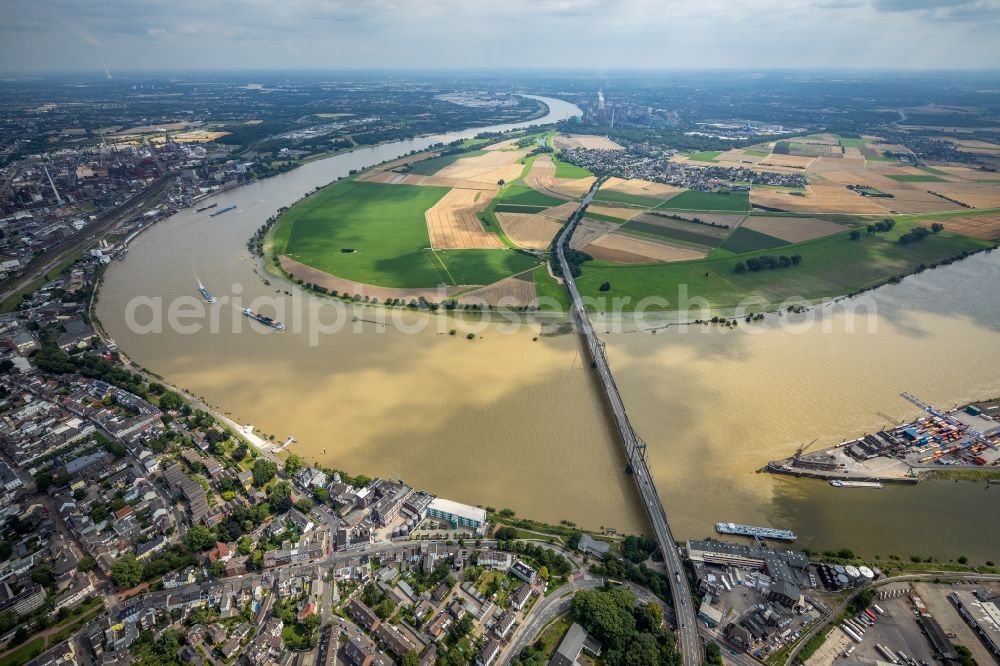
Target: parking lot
896 630
960 633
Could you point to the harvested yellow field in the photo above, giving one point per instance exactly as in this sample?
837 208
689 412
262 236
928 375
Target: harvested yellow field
591 142
914 200
642 188
619 212
979 226
341 286
542 178
623 249
977 195
820 199
792 229
588 230
528 230
853 153
791 161
513 292
503 145
561 212
489 167
453 224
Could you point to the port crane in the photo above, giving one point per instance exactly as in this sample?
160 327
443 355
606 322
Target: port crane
933 411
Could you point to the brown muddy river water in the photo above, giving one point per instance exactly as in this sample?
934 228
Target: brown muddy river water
507 421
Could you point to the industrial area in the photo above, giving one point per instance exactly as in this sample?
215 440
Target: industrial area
963 438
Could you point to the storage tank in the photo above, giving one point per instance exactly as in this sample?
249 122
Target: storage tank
866 573
851 571
843 580
839 569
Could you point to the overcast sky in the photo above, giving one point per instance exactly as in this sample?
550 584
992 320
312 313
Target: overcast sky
545 34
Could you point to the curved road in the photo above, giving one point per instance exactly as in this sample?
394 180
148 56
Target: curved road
687 623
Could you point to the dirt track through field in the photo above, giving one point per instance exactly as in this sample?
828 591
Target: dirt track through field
515 291
588 230
453 222
623 249
342 286
793 229
542 178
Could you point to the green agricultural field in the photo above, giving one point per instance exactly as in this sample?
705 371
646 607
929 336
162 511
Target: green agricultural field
830 267
605 218
756 153
880 158
547 287
936 172
852 143
917 178
508 208
435 164
691 200
621 197
483 266
748 240
668 233
705 155
385 226
521 195
567 170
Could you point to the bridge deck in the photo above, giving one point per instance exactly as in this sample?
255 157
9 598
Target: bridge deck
687 629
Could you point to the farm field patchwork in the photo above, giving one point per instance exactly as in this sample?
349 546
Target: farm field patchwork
705 155
620 248
831 266
979 226
530 231
792 229
453 221
748 240
588 230
624 197
908 178
377 234
707 201
431 166
674 232
517 194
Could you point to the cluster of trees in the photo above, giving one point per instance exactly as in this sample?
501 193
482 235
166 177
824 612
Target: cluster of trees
692 220
51 359
766 263
554 563
637 548
919 233
127 571
575 258
630 633
378 601
639 574
881 227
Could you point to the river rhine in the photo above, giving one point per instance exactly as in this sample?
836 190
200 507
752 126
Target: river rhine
507 421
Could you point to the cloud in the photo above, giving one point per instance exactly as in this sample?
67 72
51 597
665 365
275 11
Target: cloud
960 10
378 34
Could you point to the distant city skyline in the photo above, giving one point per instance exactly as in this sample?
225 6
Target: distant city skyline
54 35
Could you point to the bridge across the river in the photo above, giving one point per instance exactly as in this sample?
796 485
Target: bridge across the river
635 452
